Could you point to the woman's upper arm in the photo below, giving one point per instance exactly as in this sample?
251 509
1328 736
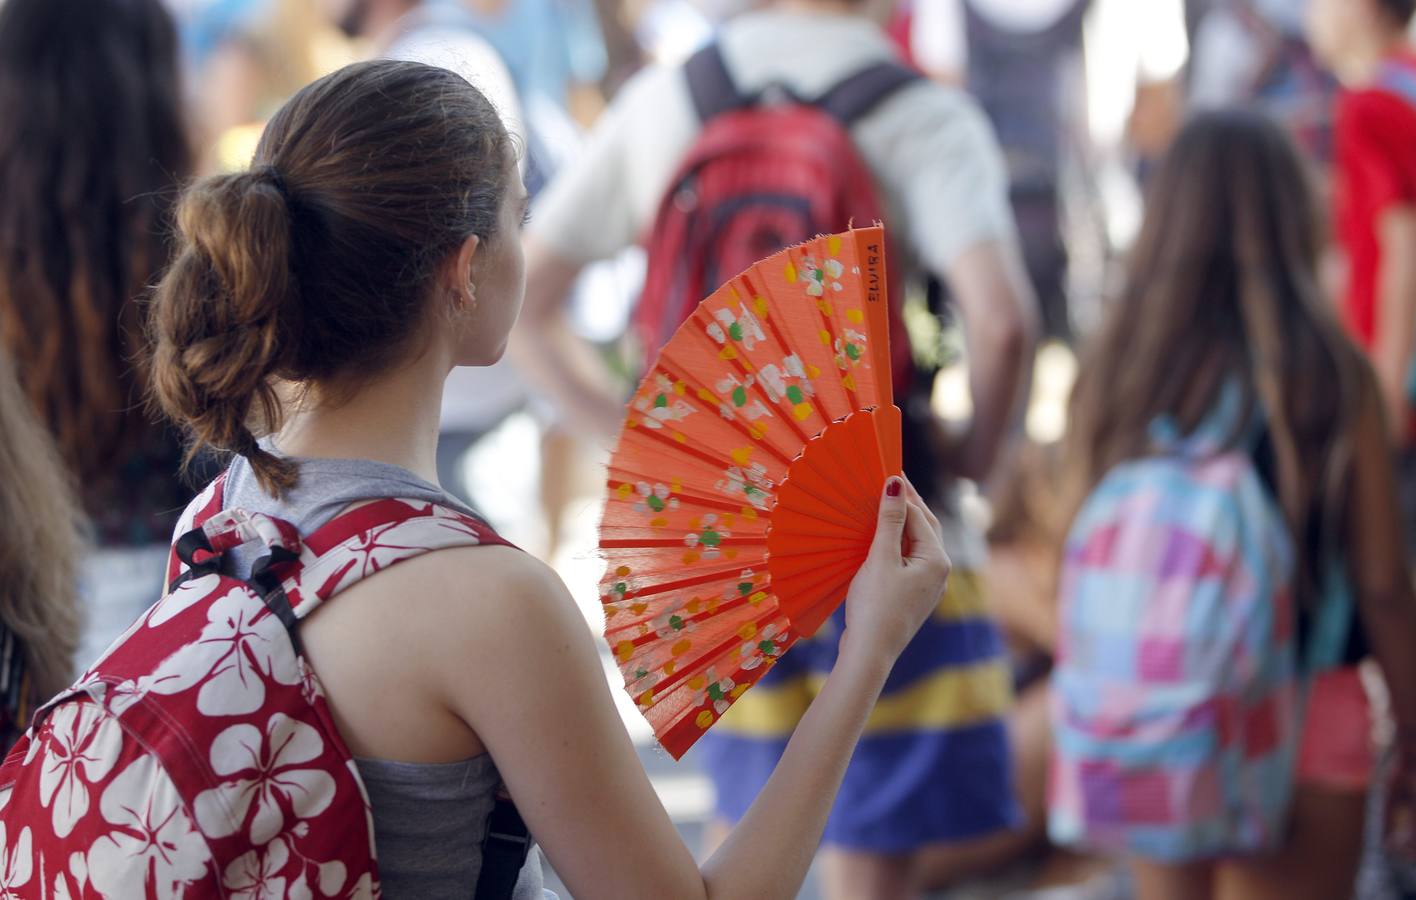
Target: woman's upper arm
521 668
1376 545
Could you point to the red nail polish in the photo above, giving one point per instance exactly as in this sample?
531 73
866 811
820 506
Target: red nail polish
892 488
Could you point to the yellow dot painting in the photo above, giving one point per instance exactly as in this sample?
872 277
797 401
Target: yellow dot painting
697 683
742 455
757 598
704 719
624 650
748 631
833 245
622 571
855 316
681 647
802 411
791 273
624 491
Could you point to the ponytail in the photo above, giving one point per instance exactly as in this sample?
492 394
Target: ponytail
225 318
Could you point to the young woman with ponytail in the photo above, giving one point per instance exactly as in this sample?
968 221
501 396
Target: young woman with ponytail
316 304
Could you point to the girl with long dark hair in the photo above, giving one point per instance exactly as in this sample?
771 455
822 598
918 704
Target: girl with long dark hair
1239 552
90 156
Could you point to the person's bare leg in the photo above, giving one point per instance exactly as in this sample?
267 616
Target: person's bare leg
1320 860
1157 881
853 875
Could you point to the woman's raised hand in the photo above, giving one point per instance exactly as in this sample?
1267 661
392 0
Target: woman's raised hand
902 580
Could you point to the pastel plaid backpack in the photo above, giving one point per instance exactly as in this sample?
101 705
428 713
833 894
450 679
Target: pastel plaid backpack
198 757
1177 686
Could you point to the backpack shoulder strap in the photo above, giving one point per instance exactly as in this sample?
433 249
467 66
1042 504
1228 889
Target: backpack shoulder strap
711 85
862 91
369 538
205 505
504 851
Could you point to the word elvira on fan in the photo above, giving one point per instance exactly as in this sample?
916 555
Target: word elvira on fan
744 489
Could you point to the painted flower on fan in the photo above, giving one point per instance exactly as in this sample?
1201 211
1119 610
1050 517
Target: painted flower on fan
850 350
710 689
821 276
741 327
767 645
708 538
663 403
654 498
750 482
673 623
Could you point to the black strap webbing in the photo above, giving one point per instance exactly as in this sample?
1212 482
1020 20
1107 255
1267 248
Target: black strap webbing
710 85
504 851
713 91
864 90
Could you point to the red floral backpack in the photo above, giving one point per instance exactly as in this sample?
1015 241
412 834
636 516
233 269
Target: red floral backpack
198 757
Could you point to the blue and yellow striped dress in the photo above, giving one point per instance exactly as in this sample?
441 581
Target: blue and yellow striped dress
933 764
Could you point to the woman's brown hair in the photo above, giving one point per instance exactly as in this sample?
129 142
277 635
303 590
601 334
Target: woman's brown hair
1222 289
38 544
315 267
90 156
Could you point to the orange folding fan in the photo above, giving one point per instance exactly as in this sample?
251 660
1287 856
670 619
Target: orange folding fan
744 489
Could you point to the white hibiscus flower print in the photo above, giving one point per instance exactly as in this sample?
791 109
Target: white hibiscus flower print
180 600
264 769
16 863
232 660
153 851
81 749
257 874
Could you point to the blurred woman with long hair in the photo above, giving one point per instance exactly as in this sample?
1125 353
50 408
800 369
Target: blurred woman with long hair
39 624
92 148
1239 552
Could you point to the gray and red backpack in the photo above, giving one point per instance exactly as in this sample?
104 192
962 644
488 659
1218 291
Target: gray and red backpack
198 758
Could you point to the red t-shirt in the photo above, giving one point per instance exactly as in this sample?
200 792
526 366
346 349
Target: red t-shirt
1376 170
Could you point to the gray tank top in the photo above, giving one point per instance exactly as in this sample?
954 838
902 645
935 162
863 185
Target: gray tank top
429 819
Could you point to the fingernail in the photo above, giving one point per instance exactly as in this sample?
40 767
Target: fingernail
892 487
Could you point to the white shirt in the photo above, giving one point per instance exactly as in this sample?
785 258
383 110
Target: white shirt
932 152
1128 42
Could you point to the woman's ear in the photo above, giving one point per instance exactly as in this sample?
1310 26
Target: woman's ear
459 275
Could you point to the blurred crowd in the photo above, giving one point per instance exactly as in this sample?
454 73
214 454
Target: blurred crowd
1127 234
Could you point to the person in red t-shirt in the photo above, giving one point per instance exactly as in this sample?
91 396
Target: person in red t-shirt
1365 43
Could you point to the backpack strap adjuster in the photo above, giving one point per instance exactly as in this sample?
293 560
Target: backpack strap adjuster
504 851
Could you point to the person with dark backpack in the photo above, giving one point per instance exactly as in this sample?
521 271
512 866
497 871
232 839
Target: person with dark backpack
798 120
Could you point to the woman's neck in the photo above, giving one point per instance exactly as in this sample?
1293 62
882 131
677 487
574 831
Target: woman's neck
393 419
